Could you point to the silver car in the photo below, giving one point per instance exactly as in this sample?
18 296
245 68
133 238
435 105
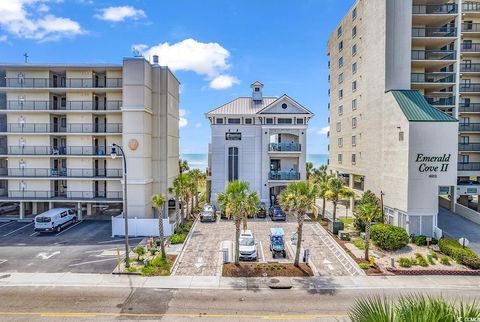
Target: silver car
208 213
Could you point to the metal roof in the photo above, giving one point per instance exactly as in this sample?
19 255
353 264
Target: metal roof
416 108
242 106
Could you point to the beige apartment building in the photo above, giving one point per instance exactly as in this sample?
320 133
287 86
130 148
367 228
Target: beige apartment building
58 125
402 73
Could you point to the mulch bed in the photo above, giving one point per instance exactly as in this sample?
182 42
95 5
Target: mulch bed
270 269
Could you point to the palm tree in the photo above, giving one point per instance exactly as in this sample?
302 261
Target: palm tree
336 190
180 189
367 212
183 166
197 176
237 201
310 169
298 198
320 179
158 201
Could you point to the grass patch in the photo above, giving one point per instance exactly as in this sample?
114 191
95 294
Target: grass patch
364 266
347 221
178 238
159 266
359 243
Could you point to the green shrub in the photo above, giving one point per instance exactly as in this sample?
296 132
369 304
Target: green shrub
177 238
132 269
405 262
140 251
434 255
152 250
464 256
389 237
364 266
445 260
161 262
359 243
420 240
421 260
430 259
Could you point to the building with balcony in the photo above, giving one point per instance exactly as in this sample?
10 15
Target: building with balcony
396 92
58 125
258 139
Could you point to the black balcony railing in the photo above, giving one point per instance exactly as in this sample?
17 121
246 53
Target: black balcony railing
433 78
62 172
469 108
469 88
440 101
469 147
23 82
469 127
434 31
471 6
468 47
62 150
57 128
470 166
288 147
448 8
65 195
433 55
70 105
284 175
469 67
470 27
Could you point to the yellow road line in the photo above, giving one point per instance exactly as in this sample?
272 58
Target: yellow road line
190 315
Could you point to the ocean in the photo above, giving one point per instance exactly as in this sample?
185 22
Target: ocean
200 160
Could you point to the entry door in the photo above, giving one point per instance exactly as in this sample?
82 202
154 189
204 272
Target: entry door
55 81
96 102
55 124
55 103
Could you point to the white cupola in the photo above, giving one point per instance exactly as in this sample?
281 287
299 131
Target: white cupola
257 91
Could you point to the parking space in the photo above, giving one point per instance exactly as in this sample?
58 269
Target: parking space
85 247
202 254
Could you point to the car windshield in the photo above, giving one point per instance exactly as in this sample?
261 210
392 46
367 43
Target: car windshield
277 241
247 242
208 208
43 219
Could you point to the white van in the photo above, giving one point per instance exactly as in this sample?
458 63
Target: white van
54 219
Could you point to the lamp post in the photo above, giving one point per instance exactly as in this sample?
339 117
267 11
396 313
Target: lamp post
113 154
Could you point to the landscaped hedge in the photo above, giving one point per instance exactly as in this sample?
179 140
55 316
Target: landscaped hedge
389 237
464 256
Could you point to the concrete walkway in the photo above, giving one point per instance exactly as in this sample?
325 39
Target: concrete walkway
216 282
456 226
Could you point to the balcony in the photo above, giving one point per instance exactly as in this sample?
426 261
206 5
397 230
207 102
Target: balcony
434 9
471 27
468 47
55 128
433 78
433 55
467 147
70 106
470 68
284 147
69 150
21 82
470 166
284 175
469 108
65 195
441 101
471 7
469 127
434 32
469 88
60 173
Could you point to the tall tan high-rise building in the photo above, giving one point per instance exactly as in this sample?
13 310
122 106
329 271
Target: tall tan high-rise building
59 123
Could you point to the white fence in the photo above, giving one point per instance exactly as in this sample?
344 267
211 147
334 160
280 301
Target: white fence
140 226
467 213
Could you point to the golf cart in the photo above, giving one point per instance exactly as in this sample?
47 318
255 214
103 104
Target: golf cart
277 245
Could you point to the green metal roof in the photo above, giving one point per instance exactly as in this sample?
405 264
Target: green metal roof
416 108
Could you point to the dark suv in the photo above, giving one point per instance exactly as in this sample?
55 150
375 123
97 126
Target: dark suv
262 210
276 213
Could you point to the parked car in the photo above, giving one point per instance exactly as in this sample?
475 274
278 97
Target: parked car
276 214
209 213
8 207
262 210
277 244
248 248
54 219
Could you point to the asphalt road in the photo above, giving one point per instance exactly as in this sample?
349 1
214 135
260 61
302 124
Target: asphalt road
456 226
86 247
111 304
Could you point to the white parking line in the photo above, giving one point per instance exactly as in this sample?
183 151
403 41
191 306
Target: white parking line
261 252
91 262
69 228
13 231
34 234
8 223
3 261
117 240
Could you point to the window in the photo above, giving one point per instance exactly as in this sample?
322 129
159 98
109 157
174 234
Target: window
465 158
340 62
232 163
284 121
401 136
340 110
299 121
233 121
284 106
340 94
354 140
340 45
354 13
340 78
219 121
354 86
467 25
464 139
64 214
257 89
354 50
354 32
354 68
340 142
464 120
354 122
354 158
339 126
339 31
339 158
467 44
248 121
269 120
354 104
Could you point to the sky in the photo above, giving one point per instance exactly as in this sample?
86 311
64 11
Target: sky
216 48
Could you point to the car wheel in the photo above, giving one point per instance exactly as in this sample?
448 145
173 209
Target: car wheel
74 220
284 254
59 229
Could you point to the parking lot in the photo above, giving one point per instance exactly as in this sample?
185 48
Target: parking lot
86 247
202 254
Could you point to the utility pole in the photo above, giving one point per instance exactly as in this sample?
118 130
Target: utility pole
383 211
26 57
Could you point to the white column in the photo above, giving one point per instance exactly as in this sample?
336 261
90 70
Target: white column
50 205
352 199
34 208
79 211
22 210
89 209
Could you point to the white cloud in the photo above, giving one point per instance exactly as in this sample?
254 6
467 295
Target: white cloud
183 119
29 19
206 59
117 14
223 81
319 131
198 125
3 38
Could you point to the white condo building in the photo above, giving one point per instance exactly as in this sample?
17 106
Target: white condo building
258 139
58 124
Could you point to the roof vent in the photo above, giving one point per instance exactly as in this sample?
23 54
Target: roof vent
257 91
155 59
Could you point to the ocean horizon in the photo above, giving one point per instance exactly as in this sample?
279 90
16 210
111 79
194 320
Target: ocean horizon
200 160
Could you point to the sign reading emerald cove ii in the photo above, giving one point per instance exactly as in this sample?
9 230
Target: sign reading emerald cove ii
433 163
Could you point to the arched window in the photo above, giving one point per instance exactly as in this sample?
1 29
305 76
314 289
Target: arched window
232 163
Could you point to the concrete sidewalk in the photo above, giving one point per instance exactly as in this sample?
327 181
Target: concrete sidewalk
215 282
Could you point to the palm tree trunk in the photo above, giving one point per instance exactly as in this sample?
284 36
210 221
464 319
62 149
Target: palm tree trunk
192 206
300 218
367 240
184 206
334 211
196 196
324 204
177 211
237 241
161 233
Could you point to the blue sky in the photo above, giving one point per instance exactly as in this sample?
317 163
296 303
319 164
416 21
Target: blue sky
216 48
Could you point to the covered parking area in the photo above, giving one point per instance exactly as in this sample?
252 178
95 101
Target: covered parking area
456 226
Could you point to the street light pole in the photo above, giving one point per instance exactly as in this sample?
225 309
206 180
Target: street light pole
113 154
